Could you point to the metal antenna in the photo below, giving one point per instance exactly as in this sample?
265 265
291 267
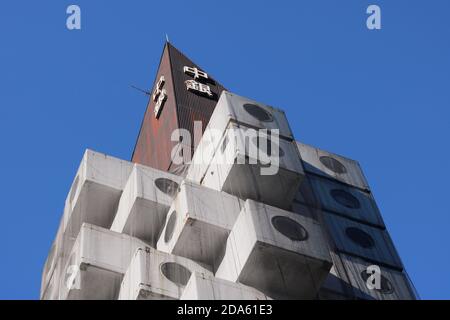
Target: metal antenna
141 90
167 38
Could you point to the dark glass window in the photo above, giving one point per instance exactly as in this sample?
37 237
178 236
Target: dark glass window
257 112
167 186
176 273
345 198
360 237
333 164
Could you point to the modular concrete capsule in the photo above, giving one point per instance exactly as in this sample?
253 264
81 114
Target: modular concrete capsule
241 110
251 165
280 253
155 275
198 223
371 243
145 202
332 166
95 194
345 200
393 284
98 261
207 287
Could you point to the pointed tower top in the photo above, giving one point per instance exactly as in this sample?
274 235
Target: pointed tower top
182 93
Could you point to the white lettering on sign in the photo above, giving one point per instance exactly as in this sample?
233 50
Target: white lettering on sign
159 96
199 87
158 88
197 74
159 104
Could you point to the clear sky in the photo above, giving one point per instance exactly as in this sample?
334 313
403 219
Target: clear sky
381 97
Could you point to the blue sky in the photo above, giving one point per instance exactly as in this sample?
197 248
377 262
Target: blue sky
381 97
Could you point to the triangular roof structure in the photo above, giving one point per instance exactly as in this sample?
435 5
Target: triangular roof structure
177 107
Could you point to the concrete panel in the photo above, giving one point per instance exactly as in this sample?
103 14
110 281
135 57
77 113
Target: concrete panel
348 201
332 166
279 253
53 260
145 202
204 287
51 289
97 264
362 240
234 108
203 156
198 223
95 193
239 168
155 275
394 284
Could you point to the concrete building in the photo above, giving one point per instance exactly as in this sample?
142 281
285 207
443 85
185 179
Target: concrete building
219 201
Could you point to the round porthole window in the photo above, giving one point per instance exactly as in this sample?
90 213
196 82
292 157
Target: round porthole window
360 237
386 286
290 228
345 198
170 226
167 186
333 164
74 188
257 112
176 273
258 142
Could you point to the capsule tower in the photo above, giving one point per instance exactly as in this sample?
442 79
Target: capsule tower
219 201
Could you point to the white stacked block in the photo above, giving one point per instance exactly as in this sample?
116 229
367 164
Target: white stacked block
51 289
52 262
280 253
97 264
345 200
332 166
362 240
145 202
203 155
198 223
395 285
155 275
237 109
95 193
242 166
232 110
207 287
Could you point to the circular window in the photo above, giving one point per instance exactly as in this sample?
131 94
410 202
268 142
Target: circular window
176 273
345 198
360 237
386 286
290 228
258 142
170 226
333 164
258 112
74 188
167 186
